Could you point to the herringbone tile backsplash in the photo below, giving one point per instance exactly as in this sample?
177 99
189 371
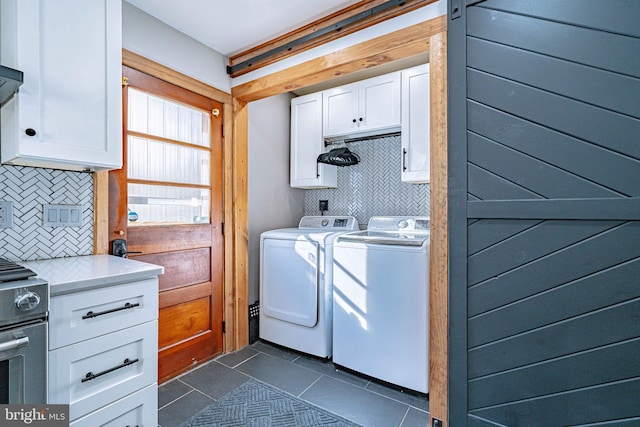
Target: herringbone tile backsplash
29 188
373 187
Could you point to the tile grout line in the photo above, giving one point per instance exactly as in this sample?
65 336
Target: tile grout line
244 361
205 394
310 385
178 398
405 416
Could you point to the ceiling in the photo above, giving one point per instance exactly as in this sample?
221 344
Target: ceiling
230 27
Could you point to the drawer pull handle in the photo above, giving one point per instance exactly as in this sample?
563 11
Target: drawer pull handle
91 314
91 376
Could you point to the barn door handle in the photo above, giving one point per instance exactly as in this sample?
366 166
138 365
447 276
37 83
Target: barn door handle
456 11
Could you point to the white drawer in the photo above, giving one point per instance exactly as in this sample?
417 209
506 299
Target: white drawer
137 409
83 315
122 363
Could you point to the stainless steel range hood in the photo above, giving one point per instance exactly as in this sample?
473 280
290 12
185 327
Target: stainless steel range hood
10 80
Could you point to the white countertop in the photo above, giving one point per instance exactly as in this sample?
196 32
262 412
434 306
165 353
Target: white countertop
73 274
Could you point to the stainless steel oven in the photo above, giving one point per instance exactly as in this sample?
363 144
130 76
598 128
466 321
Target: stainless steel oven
24 303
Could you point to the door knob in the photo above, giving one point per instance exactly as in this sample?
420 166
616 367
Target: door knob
119 248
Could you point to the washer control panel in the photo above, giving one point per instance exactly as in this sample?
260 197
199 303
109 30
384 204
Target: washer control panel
399 223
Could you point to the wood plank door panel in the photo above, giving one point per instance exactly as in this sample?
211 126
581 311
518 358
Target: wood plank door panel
545 214
190 248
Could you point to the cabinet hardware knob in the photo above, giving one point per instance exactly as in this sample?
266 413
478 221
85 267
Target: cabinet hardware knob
354 120
30 132
360 118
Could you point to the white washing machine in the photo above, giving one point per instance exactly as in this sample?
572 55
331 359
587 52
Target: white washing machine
295 283
381 301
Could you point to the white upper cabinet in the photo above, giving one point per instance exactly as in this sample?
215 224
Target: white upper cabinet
364 108
307 144
415 124
68 112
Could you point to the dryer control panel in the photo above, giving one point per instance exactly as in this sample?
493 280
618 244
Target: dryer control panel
343 223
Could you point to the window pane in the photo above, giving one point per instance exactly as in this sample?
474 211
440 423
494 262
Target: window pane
160 161
158 204
168 119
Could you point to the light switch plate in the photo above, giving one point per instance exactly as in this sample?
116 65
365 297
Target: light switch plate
62 216
6 214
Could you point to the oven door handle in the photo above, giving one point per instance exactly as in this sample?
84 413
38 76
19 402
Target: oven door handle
13 344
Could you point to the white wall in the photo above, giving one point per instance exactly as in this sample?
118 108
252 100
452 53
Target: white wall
155 40
272 202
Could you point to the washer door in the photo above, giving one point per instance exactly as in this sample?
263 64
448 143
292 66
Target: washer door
289 280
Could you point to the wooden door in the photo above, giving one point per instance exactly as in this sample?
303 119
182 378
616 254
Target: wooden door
544 213
167 203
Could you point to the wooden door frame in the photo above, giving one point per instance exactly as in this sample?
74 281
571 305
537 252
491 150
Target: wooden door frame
429 36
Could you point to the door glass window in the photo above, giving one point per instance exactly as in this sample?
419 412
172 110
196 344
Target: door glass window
169 161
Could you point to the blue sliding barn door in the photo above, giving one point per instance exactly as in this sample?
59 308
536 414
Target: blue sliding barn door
544 182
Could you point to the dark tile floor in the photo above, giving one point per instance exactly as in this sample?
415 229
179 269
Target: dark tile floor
368 403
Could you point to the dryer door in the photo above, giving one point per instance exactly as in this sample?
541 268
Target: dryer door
289 280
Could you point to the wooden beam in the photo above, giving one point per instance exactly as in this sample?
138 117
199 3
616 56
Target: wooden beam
285 41
241 223
439 273
140 63
101 213
400 44
229 339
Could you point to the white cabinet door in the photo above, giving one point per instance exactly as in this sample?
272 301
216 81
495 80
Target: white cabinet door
93 373
340 110
415 124
307 144
67 114
363 108
79 316
379 103
137 409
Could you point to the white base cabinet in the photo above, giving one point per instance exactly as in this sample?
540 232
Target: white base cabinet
68 112
415 125
103 353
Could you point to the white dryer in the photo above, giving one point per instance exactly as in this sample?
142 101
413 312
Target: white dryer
296 277
381 301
